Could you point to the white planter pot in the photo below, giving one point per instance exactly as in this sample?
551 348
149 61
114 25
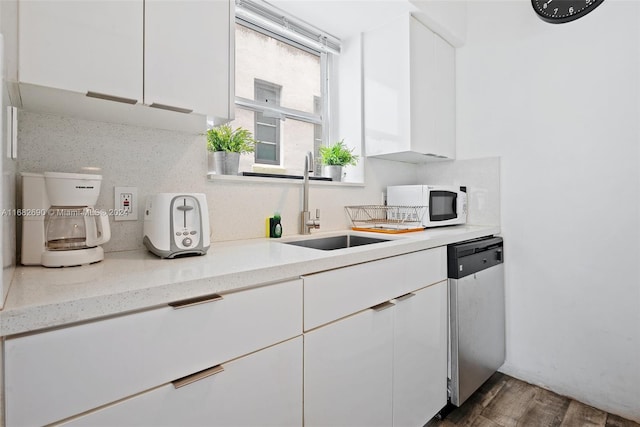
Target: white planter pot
225 163
333 172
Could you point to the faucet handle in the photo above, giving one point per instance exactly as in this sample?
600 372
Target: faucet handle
317 213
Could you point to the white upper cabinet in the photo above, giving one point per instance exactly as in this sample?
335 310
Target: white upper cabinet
187 55
409 93
83 46
77 57
444 142
9 30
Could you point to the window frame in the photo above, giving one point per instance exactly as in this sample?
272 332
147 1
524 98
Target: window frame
317 118
253 105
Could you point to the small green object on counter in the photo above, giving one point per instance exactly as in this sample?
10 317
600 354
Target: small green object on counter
275 226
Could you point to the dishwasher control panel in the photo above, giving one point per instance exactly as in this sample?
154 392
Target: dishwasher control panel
470 257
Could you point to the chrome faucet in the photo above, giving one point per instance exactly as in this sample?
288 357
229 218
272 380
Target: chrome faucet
306 222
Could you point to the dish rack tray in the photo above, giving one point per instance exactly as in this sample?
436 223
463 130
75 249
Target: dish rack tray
387 219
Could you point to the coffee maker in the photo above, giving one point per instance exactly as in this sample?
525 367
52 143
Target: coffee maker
60 226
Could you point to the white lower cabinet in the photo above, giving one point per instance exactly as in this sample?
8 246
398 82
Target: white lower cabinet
420 355
243 359
331 295
347 375
383 366
261 389
57 374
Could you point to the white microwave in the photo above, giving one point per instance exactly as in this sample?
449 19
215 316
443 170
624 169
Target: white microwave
445 205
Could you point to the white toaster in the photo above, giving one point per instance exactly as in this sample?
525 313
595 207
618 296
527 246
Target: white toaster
176 224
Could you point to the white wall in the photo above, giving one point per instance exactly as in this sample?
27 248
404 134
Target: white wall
448 18
560 105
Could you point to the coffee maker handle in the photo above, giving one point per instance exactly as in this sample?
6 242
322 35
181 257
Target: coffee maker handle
98 231
103 229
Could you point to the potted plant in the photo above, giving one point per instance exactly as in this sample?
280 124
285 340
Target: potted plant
225 145
334 158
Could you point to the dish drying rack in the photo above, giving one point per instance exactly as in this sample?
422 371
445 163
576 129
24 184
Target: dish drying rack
386 219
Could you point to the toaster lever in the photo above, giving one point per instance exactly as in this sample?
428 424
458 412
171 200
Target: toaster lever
184 207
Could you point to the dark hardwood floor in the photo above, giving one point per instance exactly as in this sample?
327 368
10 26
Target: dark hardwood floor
504 401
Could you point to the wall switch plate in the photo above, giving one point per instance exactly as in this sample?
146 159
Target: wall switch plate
125 204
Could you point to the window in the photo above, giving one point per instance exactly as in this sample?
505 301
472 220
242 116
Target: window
281 78
267 126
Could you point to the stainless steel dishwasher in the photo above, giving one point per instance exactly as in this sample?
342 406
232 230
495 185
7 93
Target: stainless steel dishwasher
476 314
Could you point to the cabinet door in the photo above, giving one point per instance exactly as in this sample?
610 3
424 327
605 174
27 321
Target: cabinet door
444 141
82 46
423 92
187 55
387 88
261 389
9 30
433 94
420 355
347 371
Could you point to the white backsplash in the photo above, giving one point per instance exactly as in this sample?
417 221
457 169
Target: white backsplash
166 161
127 156
482 179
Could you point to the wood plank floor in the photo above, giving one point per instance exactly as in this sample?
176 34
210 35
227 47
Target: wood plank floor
504 401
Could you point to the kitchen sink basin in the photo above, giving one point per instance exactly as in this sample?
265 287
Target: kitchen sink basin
336 242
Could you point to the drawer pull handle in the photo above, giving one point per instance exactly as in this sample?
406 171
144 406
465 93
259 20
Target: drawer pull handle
171 108
190 379
405 296
111 97
195 301
383 306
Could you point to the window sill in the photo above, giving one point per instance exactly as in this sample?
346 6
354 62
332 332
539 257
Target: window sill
211 177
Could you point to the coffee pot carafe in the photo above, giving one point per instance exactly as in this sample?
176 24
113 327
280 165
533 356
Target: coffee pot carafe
61 227
68 228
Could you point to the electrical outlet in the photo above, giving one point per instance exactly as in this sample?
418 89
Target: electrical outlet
125 204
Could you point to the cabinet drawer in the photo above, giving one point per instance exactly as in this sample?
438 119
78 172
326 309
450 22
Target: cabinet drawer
264 388
60 373
337 293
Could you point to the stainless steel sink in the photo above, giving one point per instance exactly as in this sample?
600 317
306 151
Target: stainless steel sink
336 242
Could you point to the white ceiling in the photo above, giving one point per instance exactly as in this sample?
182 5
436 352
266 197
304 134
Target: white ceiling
344 18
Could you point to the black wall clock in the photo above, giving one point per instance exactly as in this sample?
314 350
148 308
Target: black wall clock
561 11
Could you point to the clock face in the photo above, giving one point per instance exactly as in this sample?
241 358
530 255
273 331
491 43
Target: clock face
560 11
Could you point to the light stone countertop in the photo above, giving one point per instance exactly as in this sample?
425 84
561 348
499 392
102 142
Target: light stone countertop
128 281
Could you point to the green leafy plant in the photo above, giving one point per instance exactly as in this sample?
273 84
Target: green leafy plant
338 155
225 138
